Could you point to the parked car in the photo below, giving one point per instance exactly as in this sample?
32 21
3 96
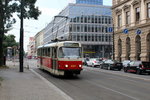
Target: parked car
85 60
138 67
125 63
29 57
111 65
94 62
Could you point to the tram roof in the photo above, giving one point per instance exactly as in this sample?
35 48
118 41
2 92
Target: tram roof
56 43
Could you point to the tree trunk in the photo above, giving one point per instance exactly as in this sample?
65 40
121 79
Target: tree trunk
1 33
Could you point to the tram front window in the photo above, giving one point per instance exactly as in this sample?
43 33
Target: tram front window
65 52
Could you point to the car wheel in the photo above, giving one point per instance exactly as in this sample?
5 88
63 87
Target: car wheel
92 65
101 66
125 69
109 68
138 71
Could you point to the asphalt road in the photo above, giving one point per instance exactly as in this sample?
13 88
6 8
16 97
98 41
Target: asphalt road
99 84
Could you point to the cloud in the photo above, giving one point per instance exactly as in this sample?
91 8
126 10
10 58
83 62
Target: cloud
49 11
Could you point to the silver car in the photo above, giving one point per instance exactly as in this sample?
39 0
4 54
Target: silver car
93 62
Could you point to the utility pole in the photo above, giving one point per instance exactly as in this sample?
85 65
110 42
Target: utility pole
21 50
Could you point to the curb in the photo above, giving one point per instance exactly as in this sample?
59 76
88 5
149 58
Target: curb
52 86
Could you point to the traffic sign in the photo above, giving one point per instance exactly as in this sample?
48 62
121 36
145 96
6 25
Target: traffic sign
110 29
138 31
125 31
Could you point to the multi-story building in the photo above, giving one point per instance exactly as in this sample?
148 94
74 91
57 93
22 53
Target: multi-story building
132 29
38 39
31 47
85 22
95 2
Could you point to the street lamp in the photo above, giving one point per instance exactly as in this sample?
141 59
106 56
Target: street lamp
113 41
111 29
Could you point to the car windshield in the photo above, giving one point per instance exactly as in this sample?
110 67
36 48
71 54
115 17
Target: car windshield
67 52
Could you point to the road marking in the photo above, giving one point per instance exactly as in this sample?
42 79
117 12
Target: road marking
99 85
67 97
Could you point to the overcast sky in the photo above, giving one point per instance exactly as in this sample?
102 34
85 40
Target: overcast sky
49 9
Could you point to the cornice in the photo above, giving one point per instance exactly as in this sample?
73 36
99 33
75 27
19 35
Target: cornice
126 6
118 10
120 3
146 0
134 27
136 2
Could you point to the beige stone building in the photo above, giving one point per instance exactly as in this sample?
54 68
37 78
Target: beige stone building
31 47
131 29
38 40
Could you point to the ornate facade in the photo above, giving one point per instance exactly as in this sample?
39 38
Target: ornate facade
131 29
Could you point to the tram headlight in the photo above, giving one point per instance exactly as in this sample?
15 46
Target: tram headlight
80 66
66 66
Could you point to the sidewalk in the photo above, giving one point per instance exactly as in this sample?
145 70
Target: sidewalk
27 85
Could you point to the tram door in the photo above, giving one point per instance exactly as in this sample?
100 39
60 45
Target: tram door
54 57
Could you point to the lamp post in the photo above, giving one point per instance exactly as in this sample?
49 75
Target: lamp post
111 29
21 50
113 41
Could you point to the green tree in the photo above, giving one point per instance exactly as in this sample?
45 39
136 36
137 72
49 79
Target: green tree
9 41
7 9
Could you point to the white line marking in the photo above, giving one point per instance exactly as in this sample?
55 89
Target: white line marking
113 90
53 86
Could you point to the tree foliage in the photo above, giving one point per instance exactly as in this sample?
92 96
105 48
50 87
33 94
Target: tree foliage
7 9
9 41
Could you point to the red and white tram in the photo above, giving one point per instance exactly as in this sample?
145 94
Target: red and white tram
60 58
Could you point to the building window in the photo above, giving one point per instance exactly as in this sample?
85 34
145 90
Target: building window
148 10
119 20
137 13
127 17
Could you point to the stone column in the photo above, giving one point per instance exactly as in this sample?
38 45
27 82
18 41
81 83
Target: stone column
144 47
116 46
143 12
123 56
133 46
132 16
123 19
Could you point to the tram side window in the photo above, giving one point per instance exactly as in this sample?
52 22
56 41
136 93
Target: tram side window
48 52
39 52
54 52
44 52
45 49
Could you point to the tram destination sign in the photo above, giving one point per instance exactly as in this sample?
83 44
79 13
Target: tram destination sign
71 44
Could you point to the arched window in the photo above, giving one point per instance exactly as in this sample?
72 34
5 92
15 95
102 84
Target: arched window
128 48
138 47
119 49
148 46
